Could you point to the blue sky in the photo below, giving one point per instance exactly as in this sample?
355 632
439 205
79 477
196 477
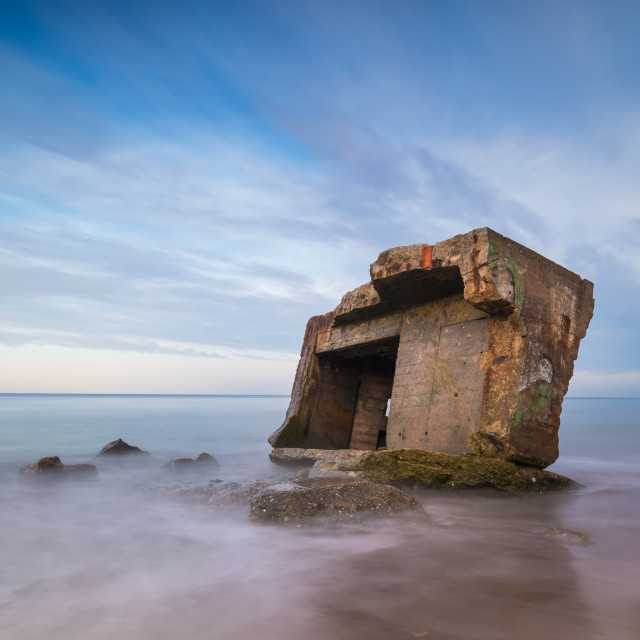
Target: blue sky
183 184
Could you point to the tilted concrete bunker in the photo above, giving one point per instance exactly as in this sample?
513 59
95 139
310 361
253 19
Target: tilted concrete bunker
463 346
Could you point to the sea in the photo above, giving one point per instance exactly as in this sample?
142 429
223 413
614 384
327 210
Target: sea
118 558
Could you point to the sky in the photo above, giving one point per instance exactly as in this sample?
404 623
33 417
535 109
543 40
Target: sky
182 185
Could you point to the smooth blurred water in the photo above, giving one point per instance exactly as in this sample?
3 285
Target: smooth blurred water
108 559
76 427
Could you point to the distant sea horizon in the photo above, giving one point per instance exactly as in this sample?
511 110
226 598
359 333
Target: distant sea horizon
146 395
234 395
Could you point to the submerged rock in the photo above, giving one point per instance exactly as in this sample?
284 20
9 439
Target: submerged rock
569 536
204 460
216 493
326 500
120 447
52 467
418 468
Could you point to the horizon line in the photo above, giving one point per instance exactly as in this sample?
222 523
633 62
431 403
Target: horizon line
238 395
177 395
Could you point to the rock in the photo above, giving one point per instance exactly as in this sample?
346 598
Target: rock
303 457
52 467
329 500
120 447
570 537
326 463
464 346
52 464
81 469
416 468
335 468
203 461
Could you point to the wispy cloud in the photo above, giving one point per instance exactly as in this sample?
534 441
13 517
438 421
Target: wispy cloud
197 179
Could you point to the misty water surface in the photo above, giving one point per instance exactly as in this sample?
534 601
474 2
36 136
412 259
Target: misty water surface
112 559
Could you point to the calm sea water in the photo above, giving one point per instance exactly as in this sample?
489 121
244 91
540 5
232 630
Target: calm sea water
107 559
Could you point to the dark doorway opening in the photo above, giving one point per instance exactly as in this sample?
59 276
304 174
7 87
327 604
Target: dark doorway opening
370 370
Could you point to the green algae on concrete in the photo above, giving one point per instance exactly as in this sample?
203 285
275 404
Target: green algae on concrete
429 469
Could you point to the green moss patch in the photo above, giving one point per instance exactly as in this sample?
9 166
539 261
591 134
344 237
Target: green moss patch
428 469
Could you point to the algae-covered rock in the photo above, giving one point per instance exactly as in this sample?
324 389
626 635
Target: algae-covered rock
428 469
417 468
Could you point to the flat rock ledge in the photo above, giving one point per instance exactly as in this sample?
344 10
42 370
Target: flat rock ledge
323 501
53 468
415 468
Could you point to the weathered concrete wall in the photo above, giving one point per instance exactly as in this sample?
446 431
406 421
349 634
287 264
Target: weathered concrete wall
438 383
478 335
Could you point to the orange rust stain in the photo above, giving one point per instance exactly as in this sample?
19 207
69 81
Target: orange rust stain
426 258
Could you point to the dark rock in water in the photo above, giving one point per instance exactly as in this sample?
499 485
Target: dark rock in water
52 464
120 447
203 461
80 468
52 467
328 500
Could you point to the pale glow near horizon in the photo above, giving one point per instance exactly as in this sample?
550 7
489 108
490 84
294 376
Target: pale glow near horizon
53 369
